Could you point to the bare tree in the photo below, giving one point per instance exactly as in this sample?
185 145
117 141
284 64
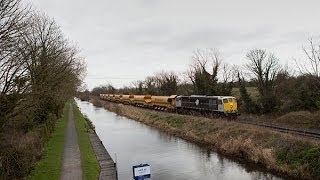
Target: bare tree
228 75
312 64
49 57
167 83
205 82
138 86
52 69
264 68
12 23
150 85
12 18
202 57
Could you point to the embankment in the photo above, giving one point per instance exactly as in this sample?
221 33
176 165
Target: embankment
284 154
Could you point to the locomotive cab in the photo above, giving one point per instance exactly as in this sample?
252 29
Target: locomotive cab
229 105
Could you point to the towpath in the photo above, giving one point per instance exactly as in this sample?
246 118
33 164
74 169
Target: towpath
71 168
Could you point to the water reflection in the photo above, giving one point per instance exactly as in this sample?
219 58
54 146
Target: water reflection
170 157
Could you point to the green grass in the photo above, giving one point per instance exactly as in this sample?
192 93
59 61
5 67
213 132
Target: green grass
49 167
175 121
90 165
252 91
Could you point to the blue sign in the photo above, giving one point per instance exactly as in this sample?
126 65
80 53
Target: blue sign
141 172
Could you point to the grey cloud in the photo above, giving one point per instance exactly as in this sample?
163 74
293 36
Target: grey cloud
197 37
137 38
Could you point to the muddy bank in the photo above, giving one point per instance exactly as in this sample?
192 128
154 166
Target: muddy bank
280 153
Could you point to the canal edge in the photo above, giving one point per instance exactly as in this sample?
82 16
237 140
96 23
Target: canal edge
108 170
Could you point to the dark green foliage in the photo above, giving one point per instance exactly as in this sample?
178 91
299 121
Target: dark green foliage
84 96
301 155
290 94
298 93
306 93
103 89
7 104
185 89
168 84
268 103
207 84
204 83
245 99
226 88
49 166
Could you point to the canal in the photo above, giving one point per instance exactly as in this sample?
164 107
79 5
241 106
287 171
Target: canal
130 143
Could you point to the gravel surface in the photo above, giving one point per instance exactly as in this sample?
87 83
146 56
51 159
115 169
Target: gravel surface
71 168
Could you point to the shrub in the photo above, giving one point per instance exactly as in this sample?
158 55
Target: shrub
305 155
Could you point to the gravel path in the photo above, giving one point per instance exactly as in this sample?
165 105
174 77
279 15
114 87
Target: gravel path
71 168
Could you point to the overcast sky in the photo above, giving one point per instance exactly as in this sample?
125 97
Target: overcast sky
127 40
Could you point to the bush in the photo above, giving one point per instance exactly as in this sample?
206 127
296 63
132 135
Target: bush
17 162
300 93
305 155
19 156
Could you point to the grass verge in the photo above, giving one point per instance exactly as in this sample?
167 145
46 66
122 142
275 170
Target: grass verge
89 163
49 167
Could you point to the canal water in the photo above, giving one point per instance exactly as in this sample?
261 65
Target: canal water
130 143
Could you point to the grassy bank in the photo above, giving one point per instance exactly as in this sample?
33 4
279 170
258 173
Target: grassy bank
49 166
284 154
90 165
297 119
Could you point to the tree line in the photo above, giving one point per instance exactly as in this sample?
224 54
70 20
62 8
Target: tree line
278 88
39 71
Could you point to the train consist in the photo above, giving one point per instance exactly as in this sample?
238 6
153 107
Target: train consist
217 105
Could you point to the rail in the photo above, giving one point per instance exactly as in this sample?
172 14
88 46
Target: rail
303 132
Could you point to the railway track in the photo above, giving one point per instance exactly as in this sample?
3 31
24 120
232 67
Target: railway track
314 134
302 132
